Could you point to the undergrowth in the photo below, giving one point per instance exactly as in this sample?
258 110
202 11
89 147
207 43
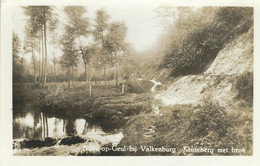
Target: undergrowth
193 53
244 86
208 126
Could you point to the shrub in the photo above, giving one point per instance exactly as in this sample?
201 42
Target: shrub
208 125
193 53
38 143
72 140
244 86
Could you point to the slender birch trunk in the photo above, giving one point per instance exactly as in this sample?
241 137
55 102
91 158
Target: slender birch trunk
39 79
69 79
34 66
55 72
86 74
45 47
117 78
105 74
43 73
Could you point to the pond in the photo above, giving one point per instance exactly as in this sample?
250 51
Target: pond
31 123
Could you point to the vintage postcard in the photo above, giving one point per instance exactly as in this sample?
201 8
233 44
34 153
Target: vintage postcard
128 78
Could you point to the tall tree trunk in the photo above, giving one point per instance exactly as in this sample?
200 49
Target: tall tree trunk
114 75
64 125
72 69
117 78
45 47
39 79
55 72
34 128
34 66
55 131
86 73
42 76
69 78
105 74
43 124
47 126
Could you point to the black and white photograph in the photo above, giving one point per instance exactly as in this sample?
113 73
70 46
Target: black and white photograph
130 79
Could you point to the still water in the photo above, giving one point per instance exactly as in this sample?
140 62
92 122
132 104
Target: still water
31 124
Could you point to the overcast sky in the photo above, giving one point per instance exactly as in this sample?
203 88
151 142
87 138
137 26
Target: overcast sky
143 27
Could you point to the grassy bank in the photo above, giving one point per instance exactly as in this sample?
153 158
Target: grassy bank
207 126
105 106
26 93
109 111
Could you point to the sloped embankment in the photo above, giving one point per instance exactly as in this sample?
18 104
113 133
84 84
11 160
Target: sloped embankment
211 110
220 81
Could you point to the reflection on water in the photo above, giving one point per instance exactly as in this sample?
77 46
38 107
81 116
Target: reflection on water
30 123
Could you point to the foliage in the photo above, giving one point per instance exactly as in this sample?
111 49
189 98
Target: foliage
208 125
70 56
16 45
101 25
53 33
191 53
79 26
116 37
128 59
77 22
101 28
26 93
99 56
70 53
40 19
114 42
30 46
30 43
244 86
72 140
40 15
38 143
18 68
89 53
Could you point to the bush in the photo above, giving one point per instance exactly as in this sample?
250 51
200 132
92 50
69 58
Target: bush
72 140
244 86
208 125
25 93
192 54
38 143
